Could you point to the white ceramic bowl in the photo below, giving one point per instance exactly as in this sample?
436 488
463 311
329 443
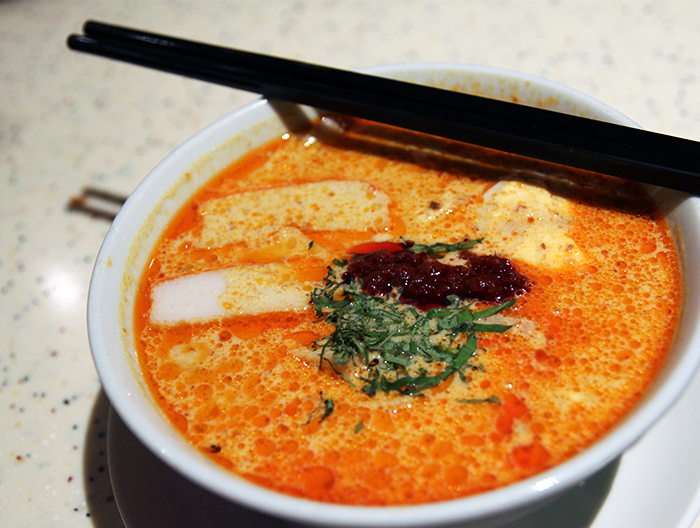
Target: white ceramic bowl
138 225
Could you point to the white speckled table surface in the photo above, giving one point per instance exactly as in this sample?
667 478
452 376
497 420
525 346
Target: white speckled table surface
70 122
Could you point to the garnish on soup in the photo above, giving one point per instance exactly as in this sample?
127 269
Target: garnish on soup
405 317
439 367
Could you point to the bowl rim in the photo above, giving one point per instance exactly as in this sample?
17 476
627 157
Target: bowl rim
514 497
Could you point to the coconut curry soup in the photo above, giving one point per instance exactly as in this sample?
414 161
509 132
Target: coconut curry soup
362 315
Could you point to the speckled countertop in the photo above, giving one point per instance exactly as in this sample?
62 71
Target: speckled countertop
71 123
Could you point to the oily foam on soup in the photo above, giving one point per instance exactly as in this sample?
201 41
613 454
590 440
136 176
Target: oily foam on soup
226 331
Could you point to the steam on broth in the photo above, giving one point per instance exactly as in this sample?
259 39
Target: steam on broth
236 324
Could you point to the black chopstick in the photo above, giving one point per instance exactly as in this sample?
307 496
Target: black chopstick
541 134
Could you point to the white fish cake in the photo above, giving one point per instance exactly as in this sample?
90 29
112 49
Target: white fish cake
316 206
240 290
188 298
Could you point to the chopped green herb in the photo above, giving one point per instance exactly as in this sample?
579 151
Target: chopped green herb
327 409
311 244
439 249
491 399
359 426
326 405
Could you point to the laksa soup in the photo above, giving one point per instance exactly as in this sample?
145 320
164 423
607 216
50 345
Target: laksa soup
366 316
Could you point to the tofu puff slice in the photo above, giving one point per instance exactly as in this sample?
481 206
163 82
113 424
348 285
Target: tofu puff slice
275 224
315 206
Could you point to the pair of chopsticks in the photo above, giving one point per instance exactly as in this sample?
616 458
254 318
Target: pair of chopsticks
545 135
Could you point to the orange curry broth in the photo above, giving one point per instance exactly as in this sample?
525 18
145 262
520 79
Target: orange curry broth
253 404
